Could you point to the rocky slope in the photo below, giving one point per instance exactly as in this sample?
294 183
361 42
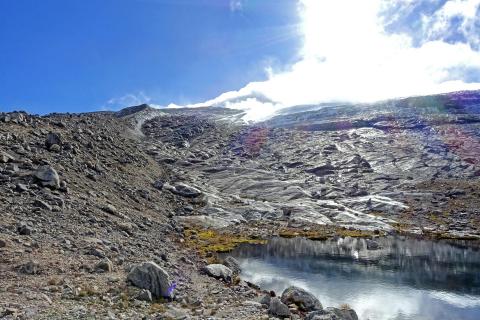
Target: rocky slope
87 198
80 208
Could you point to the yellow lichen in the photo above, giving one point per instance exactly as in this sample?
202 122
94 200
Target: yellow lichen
209 241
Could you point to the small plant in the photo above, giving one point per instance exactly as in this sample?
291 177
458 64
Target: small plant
345 306
55 281
157 308
86 291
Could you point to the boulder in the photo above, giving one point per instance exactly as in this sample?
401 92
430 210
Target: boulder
278 308
12 167
219 271
158 184
453 193
373 245
303 299
187 191
31 267
344 313
55 148
104 266
109 208
232 264
53 139
183 144
144 295
24 229
152 277
321 315
323 170
3 243
5 157
42 205
16 117
266 299
47 176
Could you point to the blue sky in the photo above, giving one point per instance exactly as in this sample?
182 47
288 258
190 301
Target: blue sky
84 55
255 55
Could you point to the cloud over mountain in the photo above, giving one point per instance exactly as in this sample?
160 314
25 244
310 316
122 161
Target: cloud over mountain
361 51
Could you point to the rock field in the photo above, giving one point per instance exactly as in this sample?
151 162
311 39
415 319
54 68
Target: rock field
113 215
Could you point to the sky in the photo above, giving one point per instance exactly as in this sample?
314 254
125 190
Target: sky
257 55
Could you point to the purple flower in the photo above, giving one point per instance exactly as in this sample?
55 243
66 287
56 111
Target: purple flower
171 288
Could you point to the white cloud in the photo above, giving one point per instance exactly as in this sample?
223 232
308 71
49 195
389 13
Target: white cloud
127 100
348 56
236 5
441 23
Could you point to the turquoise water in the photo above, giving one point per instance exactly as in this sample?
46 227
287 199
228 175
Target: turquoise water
401 279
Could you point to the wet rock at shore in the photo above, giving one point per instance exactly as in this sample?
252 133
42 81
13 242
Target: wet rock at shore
372 245
303 299
233 265
219 271
278 308
344 313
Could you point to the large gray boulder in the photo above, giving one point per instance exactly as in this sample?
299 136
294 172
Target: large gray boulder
233 265
152 277
219 271
278 308
303 299
47 176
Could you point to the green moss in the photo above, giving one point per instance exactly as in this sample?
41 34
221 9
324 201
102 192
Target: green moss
449 236
354 233
310 234
209 241
206 235
325 232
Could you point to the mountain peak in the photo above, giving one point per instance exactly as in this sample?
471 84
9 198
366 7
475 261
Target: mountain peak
134 109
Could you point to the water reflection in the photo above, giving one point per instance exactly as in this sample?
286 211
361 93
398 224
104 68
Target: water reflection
391 278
